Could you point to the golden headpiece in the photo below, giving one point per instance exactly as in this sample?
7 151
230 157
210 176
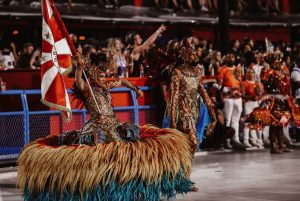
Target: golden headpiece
185 47
96 64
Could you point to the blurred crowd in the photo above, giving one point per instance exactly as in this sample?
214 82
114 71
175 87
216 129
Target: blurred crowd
135 56
27 57
247 60
270 6
240 6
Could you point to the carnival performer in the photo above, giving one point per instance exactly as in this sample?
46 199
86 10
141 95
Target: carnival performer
295 83
132 163
278 107
229 77
185 86
252 91
98 99
184 101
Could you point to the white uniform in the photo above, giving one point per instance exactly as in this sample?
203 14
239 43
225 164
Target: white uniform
7 59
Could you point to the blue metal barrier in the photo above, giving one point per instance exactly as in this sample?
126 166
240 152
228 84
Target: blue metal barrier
11 152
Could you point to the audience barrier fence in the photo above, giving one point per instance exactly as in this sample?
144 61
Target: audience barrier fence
18 128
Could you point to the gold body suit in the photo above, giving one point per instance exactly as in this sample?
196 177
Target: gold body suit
102 118
184 104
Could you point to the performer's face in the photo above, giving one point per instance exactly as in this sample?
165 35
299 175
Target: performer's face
250 74
192 55
101 77
277 64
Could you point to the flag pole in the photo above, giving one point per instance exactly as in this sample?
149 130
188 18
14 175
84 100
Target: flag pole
90 88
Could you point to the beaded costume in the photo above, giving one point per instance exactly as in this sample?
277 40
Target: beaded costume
277 108
184 103
104 120
133 163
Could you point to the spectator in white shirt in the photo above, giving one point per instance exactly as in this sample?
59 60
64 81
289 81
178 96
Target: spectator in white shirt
7 58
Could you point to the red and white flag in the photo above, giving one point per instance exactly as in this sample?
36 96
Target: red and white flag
57 50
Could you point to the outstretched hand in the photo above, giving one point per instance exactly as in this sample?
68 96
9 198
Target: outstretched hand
162 28
139 94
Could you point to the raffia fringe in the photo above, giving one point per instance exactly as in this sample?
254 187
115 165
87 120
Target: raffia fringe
84 167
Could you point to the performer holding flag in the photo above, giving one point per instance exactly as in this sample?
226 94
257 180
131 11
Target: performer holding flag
133 163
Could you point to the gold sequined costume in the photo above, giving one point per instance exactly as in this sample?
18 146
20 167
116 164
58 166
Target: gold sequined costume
134 162
103 119
184 100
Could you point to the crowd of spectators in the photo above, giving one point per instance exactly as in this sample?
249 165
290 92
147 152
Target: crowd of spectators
135 57
28 57
267 6
241 6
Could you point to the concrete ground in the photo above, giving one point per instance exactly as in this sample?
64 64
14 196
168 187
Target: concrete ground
222 176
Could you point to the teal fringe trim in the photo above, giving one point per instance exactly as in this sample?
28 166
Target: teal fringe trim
131 191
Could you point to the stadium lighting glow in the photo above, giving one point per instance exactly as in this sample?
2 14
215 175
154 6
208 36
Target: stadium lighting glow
15 32
81 37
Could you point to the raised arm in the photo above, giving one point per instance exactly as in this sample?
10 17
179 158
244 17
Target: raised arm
149 41
14 51
78 73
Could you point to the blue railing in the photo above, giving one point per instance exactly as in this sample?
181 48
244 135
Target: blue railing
8 152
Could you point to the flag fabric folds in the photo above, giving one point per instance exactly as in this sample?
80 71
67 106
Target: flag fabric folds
57 50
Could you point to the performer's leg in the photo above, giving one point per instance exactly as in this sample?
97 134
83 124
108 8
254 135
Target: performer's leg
193 138
265 135
273 135
286 135
246 136
228 108
254 138
252 135
280 139
227 111
235 118
259 138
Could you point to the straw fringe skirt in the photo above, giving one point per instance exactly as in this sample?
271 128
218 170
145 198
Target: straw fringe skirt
159 164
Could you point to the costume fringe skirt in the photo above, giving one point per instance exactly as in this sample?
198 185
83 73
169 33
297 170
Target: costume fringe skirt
158 164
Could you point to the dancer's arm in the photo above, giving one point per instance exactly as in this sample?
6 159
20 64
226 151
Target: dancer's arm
210 106
125 83
174 97
136 89
78 73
